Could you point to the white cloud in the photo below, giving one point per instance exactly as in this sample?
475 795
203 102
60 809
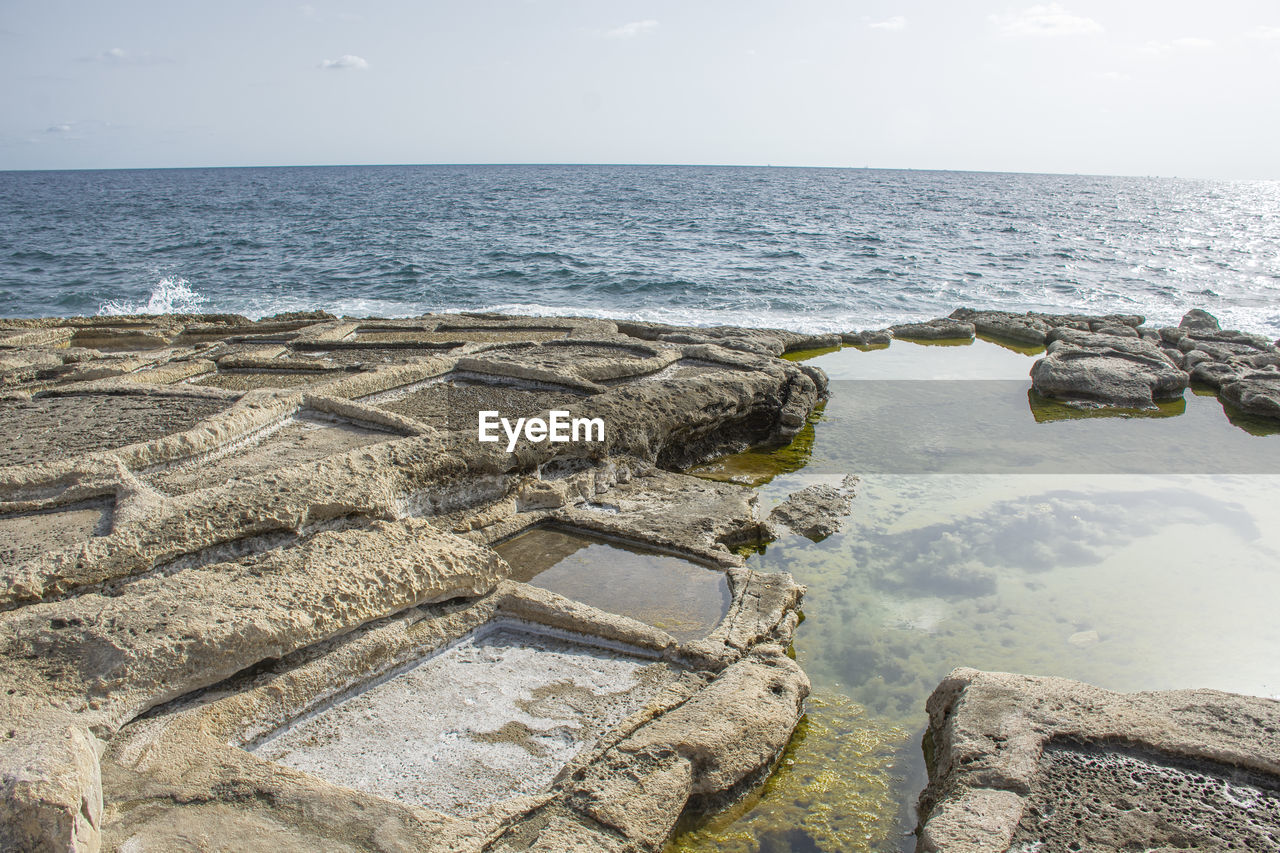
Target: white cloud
1047 19
58 128
346 62
1265 33
633 29
120 56
897 22
1181 45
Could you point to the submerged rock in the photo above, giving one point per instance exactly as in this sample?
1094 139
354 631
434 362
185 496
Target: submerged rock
817 511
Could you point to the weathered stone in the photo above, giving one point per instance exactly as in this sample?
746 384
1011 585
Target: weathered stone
1256 392
212 564
1199 321
816 511
941 329
1018 328
1106 370
871 338
1016 760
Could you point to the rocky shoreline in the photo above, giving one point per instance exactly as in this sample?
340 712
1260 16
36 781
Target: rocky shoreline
222 533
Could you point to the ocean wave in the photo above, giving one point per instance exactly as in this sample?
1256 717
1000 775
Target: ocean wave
171 295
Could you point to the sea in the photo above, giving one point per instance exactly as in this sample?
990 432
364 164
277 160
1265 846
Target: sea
808 249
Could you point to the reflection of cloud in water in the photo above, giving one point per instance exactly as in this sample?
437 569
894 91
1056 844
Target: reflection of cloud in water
1034 534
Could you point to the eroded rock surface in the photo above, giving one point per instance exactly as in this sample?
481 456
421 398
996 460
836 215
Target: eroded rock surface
942 329
222 527
1087 368
1024 763
817 511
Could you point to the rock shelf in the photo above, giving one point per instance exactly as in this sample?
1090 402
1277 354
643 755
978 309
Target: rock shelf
247 563
261 583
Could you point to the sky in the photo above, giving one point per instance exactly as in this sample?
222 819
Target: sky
1179 88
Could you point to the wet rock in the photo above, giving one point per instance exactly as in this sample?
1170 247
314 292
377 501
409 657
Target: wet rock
817 511
1256 392
1198 321
1118 330
1106 370
1020 762
941 329
1018 328
872 338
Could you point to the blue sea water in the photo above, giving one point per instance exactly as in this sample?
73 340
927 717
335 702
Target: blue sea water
810 249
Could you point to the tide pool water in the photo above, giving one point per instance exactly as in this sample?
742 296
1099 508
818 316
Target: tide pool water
1142 577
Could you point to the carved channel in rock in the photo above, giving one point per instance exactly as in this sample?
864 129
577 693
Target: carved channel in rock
249 380
494 716
26 535
454 402
47 428
304 437
681 597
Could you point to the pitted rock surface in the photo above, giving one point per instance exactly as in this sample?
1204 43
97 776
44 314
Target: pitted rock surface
1110 800
217 526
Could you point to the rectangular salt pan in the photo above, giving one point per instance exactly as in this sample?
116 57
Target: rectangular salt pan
493 717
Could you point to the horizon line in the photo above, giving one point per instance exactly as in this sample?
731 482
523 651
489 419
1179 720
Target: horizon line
570 164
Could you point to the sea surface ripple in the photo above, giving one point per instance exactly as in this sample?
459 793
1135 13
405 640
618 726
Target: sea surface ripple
810 249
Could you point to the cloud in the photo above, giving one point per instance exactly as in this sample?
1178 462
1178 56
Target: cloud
897 22
346 62
71 131
1189 44
1264 33
632 30
1047 19
120 57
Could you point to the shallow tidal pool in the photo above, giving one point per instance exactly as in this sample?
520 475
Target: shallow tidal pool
993 529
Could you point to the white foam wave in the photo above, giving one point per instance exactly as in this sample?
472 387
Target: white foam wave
171 295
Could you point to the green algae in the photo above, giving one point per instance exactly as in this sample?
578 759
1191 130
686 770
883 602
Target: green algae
938 342
1013 346
757 466
835 788
1047 410
806 354
1252 424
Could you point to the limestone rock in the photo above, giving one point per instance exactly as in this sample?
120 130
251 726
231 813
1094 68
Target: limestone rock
816 511
1015 759
1199 321
1019 328
941 329
1106 370
871 338
225 524
1256 392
